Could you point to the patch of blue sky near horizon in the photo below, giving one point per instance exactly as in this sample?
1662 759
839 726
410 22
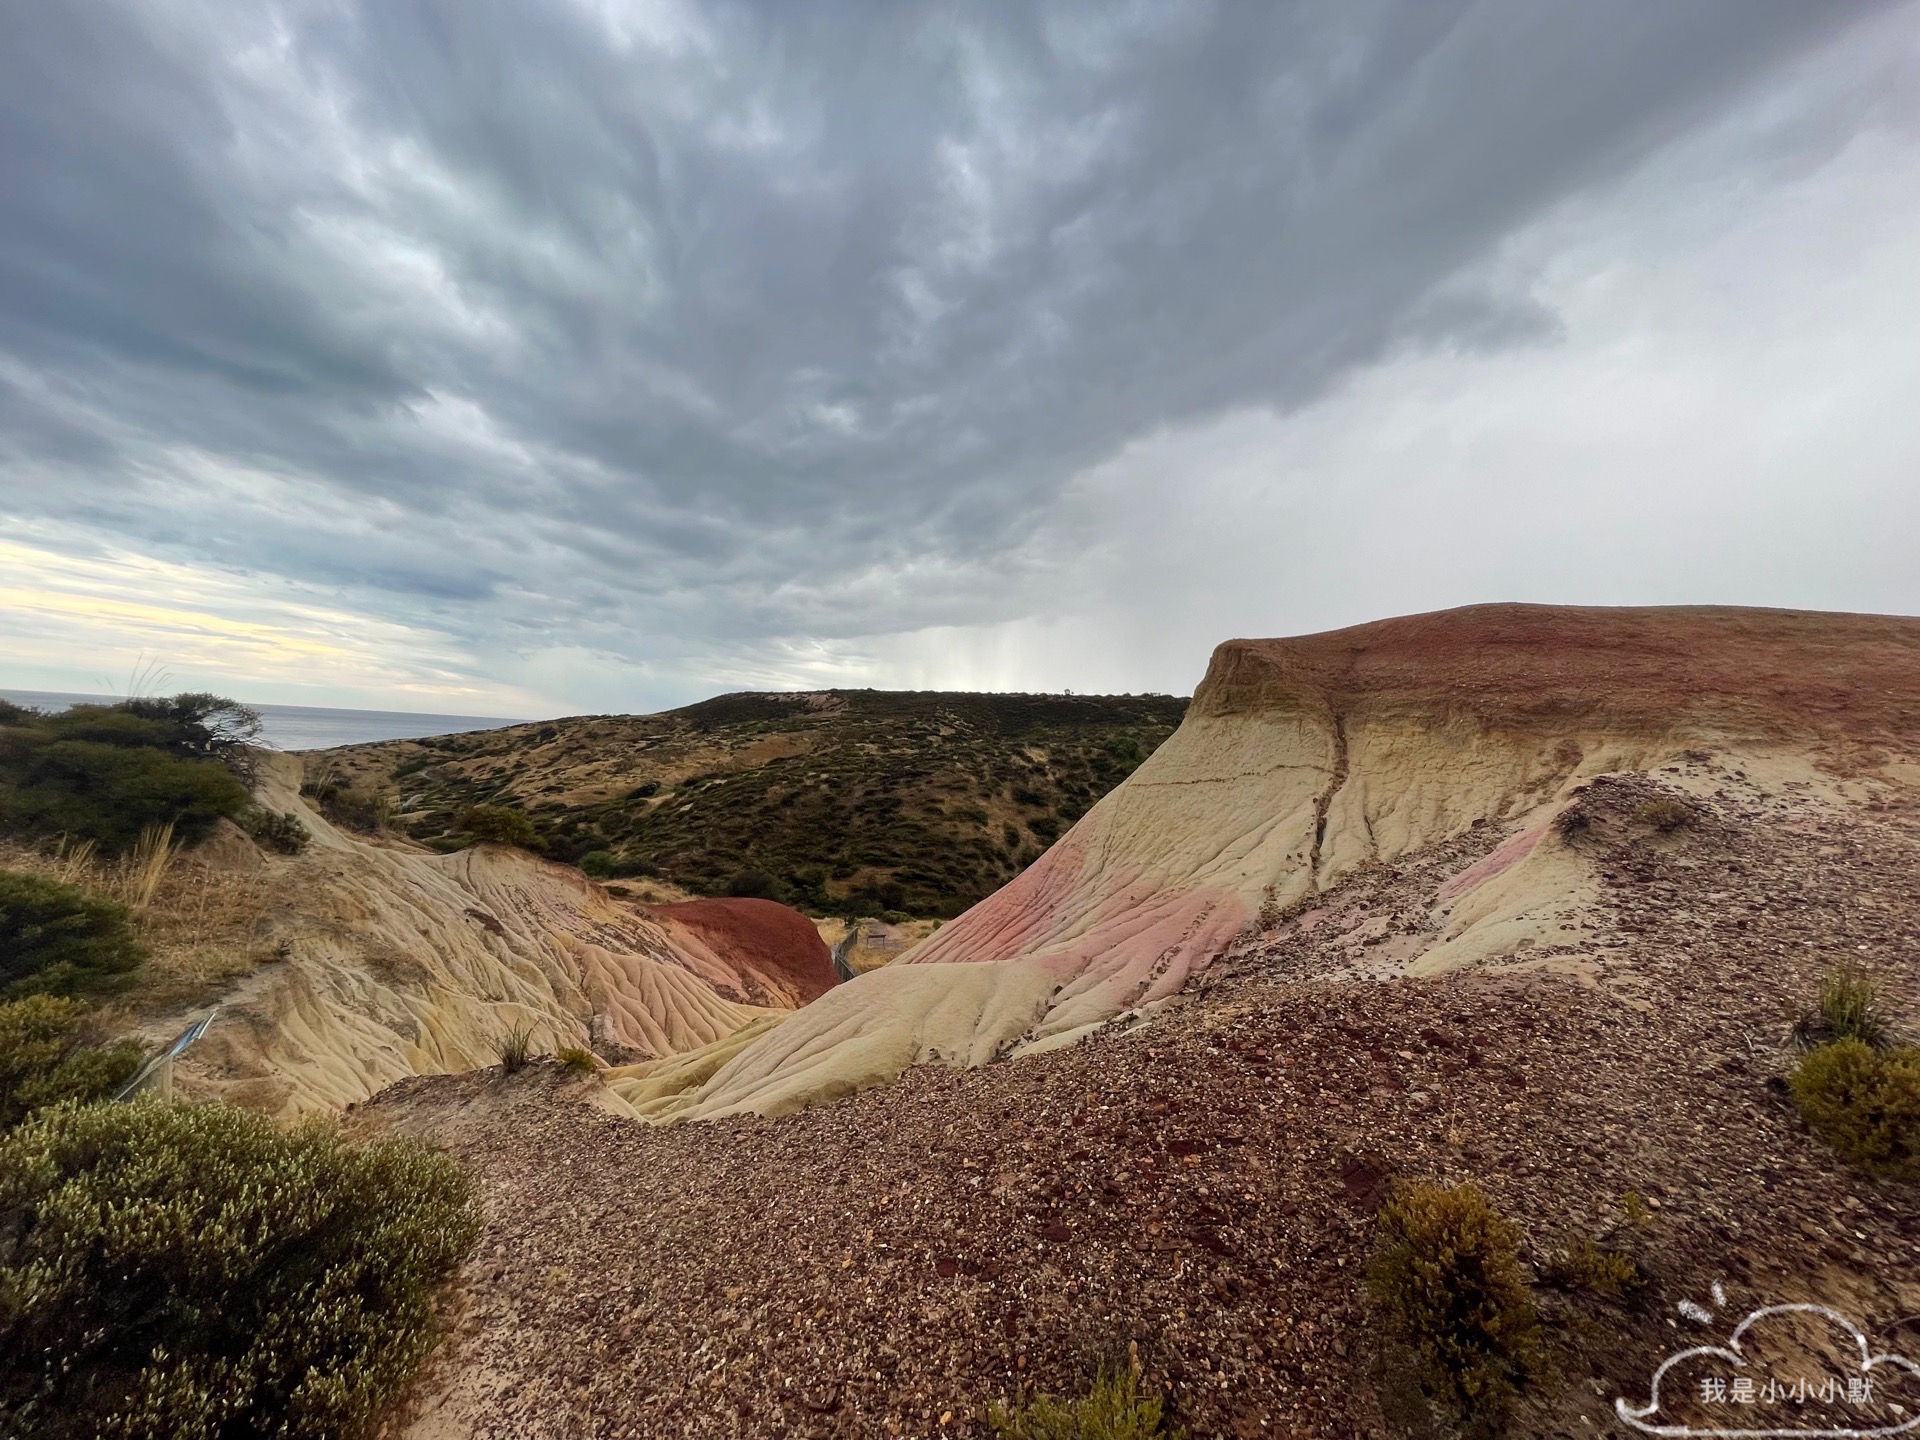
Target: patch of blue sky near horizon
79 617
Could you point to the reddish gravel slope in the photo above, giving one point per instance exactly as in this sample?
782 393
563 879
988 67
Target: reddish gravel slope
1202 1188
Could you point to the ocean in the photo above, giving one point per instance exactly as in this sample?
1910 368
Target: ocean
305 727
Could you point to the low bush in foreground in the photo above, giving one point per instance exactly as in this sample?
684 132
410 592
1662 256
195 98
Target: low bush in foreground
1447 1283
45 1057
1116 1408
59 939
1865 1103
170 1272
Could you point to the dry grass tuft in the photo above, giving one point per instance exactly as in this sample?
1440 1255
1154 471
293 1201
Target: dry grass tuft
1597 1270
1851 1005
143 870
516 1048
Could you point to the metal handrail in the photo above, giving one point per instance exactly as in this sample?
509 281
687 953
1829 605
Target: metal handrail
164 1059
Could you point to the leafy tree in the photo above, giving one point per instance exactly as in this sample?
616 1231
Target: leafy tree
56 939
500 825
206 727
105 772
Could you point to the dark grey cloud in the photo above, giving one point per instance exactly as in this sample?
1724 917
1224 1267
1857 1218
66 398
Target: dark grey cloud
654 325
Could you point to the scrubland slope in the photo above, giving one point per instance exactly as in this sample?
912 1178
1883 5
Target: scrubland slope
840 802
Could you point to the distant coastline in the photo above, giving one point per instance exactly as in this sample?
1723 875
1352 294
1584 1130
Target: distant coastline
305 727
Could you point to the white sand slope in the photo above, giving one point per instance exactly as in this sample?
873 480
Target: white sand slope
396 962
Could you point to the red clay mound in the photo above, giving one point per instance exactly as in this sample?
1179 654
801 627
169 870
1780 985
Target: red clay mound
765 941
1628 670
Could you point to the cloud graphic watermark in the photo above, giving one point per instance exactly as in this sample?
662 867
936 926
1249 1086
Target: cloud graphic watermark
1735 1391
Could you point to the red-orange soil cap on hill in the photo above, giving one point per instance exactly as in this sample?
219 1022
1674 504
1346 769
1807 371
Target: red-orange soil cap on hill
762 938
1634 670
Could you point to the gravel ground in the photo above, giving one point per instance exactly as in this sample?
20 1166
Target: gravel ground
1202 1189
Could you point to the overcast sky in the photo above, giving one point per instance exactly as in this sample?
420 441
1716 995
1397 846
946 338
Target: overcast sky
534 356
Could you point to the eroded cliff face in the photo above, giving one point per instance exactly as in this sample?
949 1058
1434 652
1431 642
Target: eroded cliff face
397 962
1301 760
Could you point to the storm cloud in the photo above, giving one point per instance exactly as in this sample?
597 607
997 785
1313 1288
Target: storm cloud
621 352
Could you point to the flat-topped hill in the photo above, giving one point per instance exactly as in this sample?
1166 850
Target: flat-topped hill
1754 673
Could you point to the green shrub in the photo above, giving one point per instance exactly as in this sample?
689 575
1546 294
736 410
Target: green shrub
516 1047
499 825
1447 1283
753 884
173 1272
1850 1005
1664 815
598 863
60 940
44 1058
1115 1408
1865 1103
576 1061
1597 1270
277 830
108 793
347 806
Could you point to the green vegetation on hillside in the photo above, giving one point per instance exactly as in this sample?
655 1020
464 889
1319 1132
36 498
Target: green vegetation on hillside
857 801
104 773
499 825
167 1270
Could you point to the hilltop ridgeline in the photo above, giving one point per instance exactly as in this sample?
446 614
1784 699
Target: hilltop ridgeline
838 801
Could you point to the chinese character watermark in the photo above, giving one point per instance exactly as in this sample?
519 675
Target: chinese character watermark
1741 1395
